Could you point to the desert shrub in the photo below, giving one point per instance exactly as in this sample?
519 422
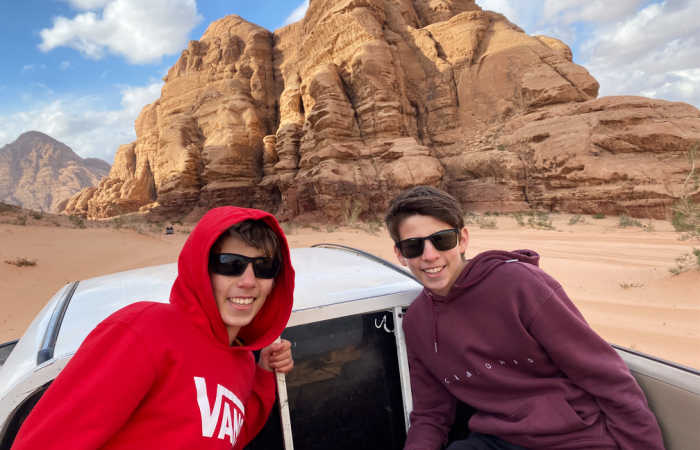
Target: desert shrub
375 226
685 212
540 220
598 216
578 218
352 215
685 217
687 262
470 218
627 221
519 218
486 223
21 262
37 215
4 207
77 221
21 220
288 227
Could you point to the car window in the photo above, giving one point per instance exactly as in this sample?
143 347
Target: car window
344 391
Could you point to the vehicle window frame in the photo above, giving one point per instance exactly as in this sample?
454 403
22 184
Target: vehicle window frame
327 313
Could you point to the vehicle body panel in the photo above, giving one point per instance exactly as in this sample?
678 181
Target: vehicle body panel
673 393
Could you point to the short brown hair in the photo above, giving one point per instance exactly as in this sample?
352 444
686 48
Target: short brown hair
255 233
425 201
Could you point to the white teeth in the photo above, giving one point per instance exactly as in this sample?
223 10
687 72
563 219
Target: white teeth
241 300
433 270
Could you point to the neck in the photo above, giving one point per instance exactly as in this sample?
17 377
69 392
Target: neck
232 334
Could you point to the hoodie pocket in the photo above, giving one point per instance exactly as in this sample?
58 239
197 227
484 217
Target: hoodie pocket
548 414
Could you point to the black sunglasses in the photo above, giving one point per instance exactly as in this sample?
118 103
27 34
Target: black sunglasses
232 264
442 240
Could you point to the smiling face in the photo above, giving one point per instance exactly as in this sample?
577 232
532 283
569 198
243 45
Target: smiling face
239 298
436 270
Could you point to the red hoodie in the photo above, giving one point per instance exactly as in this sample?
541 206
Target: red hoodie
163 376
508 341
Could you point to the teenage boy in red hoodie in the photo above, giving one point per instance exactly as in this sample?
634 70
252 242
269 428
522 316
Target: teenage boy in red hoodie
499 334
182 374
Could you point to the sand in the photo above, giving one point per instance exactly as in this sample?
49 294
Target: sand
618 277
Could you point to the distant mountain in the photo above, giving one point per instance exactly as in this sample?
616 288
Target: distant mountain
40 173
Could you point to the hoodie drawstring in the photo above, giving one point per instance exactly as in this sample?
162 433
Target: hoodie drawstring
433 315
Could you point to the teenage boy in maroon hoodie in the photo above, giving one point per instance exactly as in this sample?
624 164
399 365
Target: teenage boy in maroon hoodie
182 375
499 334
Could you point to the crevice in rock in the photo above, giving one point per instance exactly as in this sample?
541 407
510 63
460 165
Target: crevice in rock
151 182
561 73
347 92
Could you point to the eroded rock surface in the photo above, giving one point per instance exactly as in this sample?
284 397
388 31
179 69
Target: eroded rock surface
40 173
362 98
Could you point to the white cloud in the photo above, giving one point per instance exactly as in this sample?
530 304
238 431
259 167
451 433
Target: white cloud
653 52
81 124
134 98
298 13
502 6
632 47
139 30
33 67
570 11
88 4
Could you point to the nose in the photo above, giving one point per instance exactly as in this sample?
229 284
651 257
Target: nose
247 278
429 252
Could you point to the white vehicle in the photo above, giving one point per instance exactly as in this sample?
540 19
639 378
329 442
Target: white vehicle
350 387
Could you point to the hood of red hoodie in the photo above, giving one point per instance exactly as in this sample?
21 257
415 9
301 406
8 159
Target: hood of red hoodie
481 266
192 291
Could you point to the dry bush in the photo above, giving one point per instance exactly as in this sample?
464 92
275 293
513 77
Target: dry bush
685 213
21 262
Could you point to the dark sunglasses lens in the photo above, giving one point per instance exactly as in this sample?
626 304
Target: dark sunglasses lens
444 240
410 248
266 267
228 264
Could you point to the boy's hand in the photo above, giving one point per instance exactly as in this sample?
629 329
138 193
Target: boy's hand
277 357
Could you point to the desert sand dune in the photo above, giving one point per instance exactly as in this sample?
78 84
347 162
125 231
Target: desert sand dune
618 277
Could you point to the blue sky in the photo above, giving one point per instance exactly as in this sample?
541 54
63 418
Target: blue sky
81 70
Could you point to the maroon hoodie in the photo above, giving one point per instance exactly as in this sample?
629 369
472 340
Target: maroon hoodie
509 342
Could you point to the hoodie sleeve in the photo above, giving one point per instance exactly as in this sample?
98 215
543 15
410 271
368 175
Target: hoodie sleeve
433 409
591 363
258 406
112 369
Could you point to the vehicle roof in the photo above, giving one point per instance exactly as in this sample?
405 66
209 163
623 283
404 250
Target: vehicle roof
324 277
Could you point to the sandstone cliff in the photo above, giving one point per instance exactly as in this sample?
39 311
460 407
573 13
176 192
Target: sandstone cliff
363 98
38 172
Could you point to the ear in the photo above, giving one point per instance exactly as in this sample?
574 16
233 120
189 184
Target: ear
399 256
463 241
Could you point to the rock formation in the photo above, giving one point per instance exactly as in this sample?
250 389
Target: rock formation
38 172
363 98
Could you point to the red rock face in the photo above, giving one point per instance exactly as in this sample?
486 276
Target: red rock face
363 98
